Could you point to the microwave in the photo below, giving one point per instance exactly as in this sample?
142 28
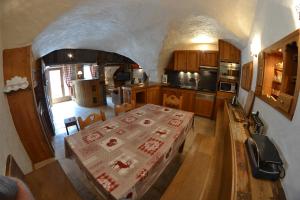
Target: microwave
227 87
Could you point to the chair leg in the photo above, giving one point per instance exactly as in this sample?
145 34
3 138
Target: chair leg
67 130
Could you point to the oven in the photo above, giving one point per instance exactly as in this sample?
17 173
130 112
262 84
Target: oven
229 71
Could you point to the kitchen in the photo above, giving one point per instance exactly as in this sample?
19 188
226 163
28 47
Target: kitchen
203 79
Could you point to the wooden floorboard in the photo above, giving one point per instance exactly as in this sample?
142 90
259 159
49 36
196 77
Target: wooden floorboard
51 183
199 177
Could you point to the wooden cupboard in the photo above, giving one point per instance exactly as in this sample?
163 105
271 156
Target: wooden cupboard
247 74
208 58
180 61
24 103
188 97
204 105
192 61
186 60
188 101
153 95
278 75
228 52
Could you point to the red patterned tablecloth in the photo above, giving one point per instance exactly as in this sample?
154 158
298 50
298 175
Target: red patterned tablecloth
125 155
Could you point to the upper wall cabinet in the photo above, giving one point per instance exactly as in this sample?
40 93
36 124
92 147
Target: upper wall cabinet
191 60
208 58
186 61
278 75
228 52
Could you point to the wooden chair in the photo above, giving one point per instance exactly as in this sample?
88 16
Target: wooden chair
172 101
92 118
125 107
47 183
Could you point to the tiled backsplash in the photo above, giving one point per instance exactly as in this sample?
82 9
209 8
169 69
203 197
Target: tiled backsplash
183 78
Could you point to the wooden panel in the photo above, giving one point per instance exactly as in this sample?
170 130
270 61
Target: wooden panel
224 51
247 74
188 102
23 106
209 58
153 95
228 52
204 107
192 61
220 99
180 60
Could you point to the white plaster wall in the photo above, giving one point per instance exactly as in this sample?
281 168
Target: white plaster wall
9 139
132 28
274 19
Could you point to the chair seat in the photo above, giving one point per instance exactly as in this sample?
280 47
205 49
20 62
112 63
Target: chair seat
51 183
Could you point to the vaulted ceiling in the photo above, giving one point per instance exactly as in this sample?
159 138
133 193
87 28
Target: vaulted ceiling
145 31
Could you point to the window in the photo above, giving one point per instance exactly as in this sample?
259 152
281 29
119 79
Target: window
87 72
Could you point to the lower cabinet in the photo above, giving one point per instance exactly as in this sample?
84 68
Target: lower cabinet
153 95
188 99
204 104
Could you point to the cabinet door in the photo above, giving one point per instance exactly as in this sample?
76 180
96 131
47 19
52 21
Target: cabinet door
224 50
235 54
209 58
192 61
204 107
188 101
180 58
153 95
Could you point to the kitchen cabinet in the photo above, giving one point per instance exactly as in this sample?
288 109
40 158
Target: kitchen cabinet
228 52
27 107
188 99
204 104
192 61
208 58
153 95
186 60
180 60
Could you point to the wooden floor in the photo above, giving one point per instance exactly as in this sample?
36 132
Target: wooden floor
199 177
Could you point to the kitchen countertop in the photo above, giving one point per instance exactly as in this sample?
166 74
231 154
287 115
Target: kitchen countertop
153 84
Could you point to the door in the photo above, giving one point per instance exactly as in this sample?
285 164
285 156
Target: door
59 90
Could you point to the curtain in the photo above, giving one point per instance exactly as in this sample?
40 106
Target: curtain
93 69
67 71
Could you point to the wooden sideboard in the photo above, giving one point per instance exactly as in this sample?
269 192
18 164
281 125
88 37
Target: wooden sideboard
236 176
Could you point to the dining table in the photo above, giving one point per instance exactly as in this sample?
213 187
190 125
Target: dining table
125 155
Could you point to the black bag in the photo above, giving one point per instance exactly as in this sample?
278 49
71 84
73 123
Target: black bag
264 158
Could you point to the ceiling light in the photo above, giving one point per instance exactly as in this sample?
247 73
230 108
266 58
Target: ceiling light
203 39
70 55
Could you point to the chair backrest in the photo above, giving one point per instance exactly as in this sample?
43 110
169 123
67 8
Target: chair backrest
125 107
13 169
249 103
92 118
172 101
